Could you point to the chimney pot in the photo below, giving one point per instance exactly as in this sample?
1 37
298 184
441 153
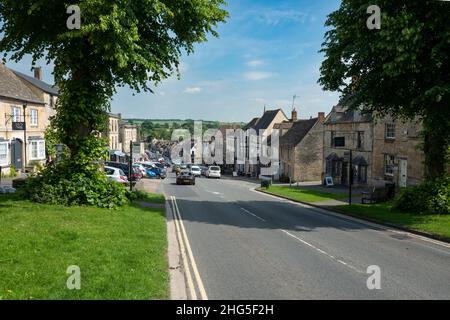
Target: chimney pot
38 73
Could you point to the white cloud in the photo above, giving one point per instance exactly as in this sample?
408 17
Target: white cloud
255 63
276 17
258 75
192 90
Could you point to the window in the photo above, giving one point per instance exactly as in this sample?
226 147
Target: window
360 142
389 164
41 149
3 152
15 114
339 142
390 131
33 117
37 150
332 138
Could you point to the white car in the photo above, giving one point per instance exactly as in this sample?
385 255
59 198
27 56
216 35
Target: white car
213 172
116 174
196 171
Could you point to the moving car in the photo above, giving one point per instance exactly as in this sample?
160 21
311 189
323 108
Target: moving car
186 177
204 169
213 172
196 171
116 174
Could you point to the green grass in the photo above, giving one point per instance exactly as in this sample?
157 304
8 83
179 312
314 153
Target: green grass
121 253
301 194
435 223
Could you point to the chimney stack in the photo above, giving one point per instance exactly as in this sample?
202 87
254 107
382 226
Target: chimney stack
321 116
38 73
294 115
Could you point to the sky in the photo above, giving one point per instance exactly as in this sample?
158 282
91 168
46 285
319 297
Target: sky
266 53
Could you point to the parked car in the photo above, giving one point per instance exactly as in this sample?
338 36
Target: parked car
116 174
186 177
213 172
196 171
141 168
203 170
136 174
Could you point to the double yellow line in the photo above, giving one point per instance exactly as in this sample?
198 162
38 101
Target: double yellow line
187 256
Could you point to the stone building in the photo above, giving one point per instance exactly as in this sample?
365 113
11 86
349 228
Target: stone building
301 150
346 130
396 154
384 150
113 132
25 108
258 126
128 132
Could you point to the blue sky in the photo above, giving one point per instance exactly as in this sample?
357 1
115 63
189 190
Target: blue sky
267 52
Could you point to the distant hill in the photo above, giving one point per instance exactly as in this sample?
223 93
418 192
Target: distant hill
180 122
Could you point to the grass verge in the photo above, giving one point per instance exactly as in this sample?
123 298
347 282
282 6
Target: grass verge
434 223
300 194
121 253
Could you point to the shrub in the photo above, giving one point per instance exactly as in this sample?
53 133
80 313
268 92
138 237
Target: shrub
60 184
430 197
11 174
265 184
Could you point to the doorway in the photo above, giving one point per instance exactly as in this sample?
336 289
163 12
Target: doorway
403 173
17 154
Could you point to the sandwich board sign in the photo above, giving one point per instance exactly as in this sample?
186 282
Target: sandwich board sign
329 181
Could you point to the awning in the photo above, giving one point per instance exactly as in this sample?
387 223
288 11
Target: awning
359 161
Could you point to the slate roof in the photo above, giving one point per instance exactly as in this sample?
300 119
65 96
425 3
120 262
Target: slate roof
54 90
342 114
12 87
251 124
267 119
298 131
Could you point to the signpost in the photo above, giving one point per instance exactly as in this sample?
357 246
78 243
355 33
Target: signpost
348 157
130 165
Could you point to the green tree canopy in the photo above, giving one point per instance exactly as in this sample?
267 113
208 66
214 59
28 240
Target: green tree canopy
402 69
121 42
135 43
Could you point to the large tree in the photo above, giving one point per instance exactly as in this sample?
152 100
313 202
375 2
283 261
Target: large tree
135 43
121 42
402 69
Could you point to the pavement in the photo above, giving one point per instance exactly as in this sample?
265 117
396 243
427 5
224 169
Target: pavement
243 244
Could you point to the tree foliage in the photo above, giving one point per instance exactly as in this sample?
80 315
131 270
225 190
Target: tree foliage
135 43
402 69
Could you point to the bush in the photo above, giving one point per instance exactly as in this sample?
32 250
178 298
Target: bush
11 174
430 197
265 184
60 184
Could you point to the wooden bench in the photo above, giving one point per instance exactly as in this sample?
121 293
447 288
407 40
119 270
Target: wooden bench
375 195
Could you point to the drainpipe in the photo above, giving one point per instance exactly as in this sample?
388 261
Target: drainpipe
25 135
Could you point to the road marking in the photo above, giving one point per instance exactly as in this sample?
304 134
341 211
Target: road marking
190 284
322 252
358 221
197 277
252 214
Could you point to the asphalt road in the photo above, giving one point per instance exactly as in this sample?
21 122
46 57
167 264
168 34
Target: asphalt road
251 246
